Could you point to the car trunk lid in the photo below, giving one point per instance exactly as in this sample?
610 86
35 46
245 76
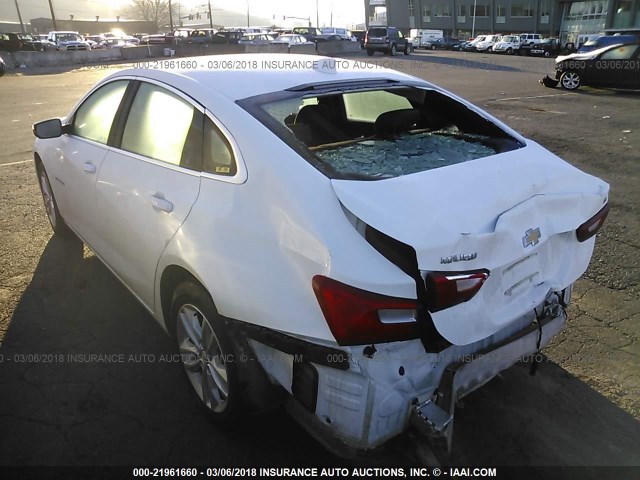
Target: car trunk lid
513 213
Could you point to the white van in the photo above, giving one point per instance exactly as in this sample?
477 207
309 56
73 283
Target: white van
508 44
423 38
341 32
487 44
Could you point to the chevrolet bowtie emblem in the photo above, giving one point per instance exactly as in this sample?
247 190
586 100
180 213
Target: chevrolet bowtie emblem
531 237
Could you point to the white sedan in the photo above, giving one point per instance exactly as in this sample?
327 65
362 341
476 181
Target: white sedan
363 242
292 39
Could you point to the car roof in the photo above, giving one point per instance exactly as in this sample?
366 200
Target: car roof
235 77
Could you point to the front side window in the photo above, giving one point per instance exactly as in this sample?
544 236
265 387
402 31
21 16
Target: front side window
159 125
624 52
94 117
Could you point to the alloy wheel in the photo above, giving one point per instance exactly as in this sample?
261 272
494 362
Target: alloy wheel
202 357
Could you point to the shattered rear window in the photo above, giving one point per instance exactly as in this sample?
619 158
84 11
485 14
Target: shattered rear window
380 133
411 153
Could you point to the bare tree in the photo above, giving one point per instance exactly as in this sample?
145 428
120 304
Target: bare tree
152 11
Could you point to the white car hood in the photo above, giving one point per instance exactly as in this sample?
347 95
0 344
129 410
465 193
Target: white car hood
577 56
476 215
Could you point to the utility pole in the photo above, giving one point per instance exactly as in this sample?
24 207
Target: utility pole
20 18
248 23
473 24
317 15
53 17
210 16
170 17
331 22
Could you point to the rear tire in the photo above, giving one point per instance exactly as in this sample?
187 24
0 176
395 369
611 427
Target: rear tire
392 50
207 354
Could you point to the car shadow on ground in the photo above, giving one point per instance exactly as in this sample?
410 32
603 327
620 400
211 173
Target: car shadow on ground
89 378
483 64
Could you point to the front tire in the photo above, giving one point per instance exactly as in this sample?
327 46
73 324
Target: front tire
408 49
392 50
58 224
570 80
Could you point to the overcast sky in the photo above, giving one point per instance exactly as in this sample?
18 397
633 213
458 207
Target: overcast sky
345 12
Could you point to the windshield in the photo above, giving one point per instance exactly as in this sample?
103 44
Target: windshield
379 133
70 37
509 38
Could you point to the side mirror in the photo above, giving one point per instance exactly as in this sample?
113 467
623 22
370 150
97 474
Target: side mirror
48 128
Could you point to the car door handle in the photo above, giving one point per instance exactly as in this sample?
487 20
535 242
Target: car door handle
89 167
161 204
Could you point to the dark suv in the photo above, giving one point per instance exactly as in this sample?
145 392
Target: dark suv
388 40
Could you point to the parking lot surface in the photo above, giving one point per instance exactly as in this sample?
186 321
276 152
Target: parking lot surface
87 377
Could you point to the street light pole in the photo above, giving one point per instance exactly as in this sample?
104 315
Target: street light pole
210 16
20 18
248 24
317 15
53 17
473 24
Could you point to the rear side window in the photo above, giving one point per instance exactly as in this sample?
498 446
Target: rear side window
159 125
218 155
93 119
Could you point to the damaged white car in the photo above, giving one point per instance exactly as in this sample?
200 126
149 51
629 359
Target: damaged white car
361 244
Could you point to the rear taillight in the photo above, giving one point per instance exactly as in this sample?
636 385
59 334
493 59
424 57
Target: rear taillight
589 228
446 289
359 317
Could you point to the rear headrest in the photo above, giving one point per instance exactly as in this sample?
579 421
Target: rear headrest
391 124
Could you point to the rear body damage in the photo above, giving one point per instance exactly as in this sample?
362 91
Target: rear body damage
482 228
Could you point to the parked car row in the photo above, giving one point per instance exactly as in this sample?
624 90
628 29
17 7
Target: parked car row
262 37
511 44
62 40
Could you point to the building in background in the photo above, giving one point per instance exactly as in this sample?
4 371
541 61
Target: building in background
459 18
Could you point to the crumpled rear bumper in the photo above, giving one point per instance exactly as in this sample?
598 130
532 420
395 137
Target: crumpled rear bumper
434 416
382 391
